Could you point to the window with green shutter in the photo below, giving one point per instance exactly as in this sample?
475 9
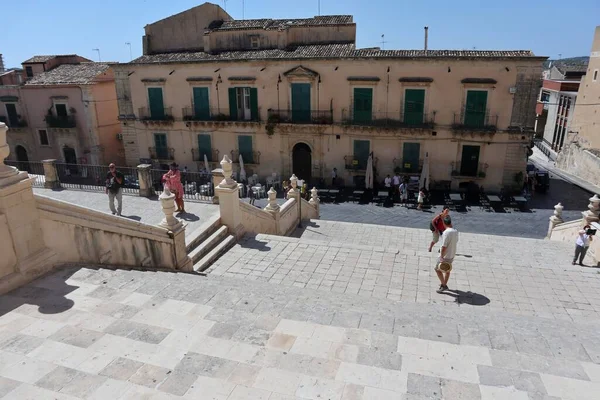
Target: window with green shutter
414 106
245 148
233 111
363 105
254 104
13 116
204 147
475 108
362 148
301 102
155 103
469 163
243 104
160 143
201 104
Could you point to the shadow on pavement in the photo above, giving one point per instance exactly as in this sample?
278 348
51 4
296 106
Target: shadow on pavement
133 217
188 217
251 243
474 299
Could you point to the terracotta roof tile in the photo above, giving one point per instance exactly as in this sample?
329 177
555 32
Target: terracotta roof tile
345 50
279 24
70 74
43 59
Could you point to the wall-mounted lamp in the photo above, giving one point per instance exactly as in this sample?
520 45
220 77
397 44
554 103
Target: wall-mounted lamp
336 68
449 70
262 69
171 73
507 69
217 70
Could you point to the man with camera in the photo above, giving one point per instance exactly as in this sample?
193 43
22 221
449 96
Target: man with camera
585 236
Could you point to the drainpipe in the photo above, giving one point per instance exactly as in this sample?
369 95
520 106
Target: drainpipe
387 93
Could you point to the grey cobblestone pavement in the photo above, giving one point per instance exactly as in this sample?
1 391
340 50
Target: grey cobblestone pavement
84 333
134 207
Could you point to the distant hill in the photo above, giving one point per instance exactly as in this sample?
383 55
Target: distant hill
584 60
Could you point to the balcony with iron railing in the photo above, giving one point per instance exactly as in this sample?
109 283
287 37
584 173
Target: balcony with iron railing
164 115
389 119
463 170
60 121
14 123
408 166
355 163
212 156
162 153
248 157
475 121
317 117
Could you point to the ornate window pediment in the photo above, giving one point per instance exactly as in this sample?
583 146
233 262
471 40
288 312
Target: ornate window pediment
301 73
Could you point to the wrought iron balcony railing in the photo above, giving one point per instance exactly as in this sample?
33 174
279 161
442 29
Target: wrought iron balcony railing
468 169
60 121
198 155
355 163
317 117
389 119
408 165
248 157
156 114
475 121
15 122
162 153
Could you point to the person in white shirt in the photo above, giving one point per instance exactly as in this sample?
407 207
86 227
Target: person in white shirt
582 244
447 254
396 183
333 176
387 182
403 192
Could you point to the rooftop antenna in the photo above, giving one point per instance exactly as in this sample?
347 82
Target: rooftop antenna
98 50
243 9
130 54
559 56
319 2
383 42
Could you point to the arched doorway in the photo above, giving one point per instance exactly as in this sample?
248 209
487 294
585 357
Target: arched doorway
302 162
22 158
69 154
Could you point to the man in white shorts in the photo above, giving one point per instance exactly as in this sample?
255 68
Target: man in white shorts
447 254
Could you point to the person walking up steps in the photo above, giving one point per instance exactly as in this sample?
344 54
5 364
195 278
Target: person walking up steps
447 254
114 189
436 226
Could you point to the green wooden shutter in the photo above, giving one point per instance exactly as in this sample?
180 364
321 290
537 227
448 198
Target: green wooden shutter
301 102
414 106
470 160
254 104
245 147
410 157
233 114
363 105
204 147
160 142
155 101
475 108
201 104
361 153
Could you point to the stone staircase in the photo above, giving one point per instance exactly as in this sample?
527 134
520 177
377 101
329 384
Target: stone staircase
208 242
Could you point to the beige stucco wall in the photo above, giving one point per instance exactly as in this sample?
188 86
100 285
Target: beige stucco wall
256 220
182 31
8 261
106 112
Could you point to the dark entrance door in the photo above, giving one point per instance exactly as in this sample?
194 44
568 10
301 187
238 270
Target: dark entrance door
302 162
469 162
22 158
70 156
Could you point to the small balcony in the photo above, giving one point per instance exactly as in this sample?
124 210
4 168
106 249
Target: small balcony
191 114
60 121
250 158
389 119
213 156
354 163
468 170
475 121
408 166
317 117
162 153
15 123
159 115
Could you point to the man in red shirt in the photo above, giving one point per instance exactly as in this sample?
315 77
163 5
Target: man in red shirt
437 226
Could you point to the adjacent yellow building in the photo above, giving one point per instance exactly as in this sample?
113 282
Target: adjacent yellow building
297 96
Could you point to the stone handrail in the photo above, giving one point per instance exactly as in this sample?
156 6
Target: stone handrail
255 211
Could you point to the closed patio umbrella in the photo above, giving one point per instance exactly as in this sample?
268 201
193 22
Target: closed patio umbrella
242 170
424 179
369 173
206 165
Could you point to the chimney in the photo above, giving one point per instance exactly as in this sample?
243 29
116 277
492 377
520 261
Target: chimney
426 31
1 63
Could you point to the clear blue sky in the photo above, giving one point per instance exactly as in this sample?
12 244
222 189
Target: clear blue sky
547 27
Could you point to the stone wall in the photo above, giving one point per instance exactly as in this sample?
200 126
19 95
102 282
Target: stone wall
515 161
580 162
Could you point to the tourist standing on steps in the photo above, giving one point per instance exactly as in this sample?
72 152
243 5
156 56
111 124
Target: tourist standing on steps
172 180
444 264
437 227
114 189
582 244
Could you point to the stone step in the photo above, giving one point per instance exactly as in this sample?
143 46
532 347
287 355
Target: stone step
200 234
215 253
207 245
